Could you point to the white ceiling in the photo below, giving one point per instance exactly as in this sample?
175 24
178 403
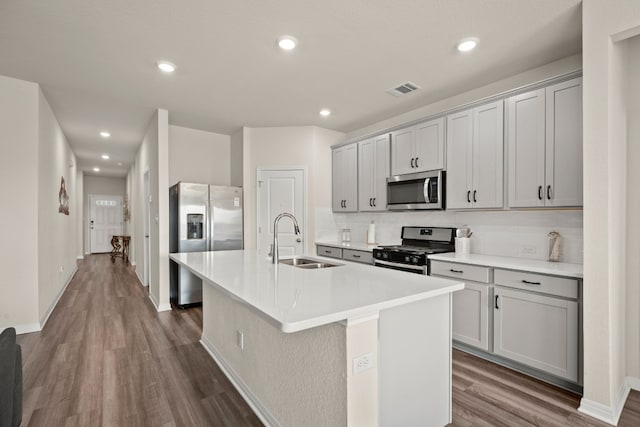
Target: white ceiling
96 60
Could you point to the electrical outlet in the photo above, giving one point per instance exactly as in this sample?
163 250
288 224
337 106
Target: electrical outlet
362 363
240 335
528 250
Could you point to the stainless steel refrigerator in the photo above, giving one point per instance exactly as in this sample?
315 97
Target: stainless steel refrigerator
202 217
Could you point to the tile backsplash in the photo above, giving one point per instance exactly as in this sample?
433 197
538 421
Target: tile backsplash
521 234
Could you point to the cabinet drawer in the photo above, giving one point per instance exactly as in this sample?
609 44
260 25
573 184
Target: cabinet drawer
357 256
460 271
329 251
558 286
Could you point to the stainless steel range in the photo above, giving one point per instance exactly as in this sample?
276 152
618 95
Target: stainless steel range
417 243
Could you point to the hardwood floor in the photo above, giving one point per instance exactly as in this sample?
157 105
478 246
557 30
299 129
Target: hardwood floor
106 357
486 394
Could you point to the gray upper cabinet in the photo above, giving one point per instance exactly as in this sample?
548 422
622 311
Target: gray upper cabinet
475 147
345 178
545 146
563 172
418 148
373 171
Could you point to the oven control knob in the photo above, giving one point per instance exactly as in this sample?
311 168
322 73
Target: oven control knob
385 256
414 259
407 259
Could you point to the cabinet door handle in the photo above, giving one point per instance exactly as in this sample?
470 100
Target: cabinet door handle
417 162
496 303
540 192
374 202
370 202
345 204
531 283
474 196
469 196
456 271
355 256
412 163
548 192
326 251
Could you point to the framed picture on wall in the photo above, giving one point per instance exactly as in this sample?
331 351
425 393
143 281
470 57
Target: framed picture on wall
63 198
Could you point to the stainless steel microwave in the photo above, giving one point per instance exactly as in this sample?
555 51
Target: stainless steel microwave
423 190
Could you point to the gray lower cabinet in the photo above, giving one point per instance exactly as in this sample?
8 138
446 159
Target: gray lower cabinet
471 305
471 315
538 330
329 251
529 318
364 257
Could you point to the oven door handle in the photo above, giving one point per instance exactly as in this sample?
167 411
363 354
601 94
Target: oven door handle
427 190
395 264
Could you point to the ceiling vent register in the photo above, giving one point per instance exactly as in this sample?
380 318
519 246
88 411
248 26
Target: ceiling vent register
403 89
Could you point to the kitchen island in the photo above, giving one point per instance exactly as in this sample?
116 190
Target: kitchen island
351 345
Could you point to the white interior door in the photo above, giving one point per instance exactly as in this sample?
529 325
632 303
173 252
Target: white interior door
105 221
281 190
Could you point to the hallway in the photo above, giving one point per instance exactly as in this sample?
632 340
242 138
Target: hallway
106 357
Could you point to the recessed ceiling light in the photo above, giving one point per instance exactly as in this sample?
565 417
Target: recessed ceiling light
325 112
105 134
96 169
167 67
119 163
287 42
467 44
105 156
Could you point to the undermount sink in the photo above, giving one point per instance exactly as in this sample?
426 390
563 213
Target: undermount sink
307 263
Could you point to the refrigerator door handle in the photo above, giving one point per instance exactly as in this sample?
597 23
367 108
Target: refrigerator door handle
210 213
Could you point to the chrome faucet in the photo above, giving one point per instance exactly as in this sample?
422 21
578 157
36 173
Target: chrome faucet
274 246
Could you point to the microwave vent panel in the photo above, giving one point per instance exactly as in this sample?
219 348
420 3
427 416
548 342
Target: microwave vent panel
403 89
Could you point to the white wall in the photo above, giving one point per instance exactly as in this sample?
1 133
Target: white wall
153 156
605 204
236 158
98 185
56 231
19 135
633 212
198 156
289 146
553 69
80 224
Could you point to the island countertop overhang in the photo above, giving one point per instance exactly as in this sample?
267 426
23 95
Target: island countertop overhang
295 299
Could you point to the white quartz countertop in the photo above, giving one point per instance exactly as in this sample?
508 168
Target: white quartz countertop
353 245
295 298
532 265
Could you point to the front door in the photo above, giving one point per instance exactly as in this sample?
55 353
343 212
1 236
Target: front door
281 190
105 221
